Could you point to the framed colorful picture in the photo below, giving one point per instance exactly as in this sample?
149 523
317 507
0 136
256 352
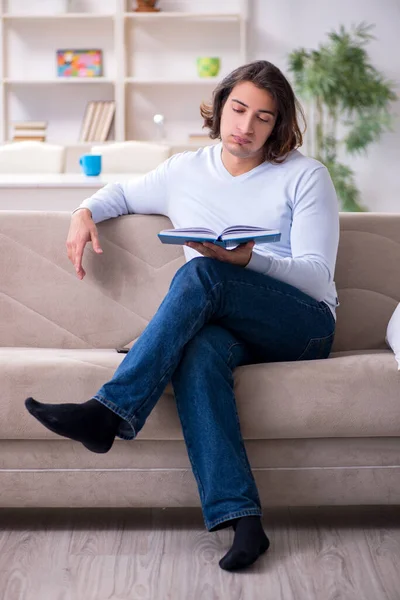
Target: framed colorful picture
79 63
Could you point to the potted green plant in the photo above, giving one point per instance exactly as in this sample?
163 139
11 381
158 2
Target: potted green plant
347 102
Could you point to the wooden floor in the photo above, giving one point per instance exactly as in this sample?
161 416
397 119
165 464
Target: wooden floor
144 554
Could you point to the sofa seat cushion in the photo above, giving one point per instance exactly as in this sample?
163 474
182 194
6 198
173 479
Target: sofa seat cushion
351 394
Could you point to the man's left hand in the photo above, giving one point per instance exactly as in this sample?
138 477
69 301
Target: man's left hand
240 255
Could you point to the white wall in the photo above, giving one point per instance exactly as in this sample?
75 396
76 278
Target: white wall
277 27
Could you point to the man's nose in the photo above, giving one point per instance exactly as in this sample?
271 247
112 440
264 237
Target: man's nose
246 125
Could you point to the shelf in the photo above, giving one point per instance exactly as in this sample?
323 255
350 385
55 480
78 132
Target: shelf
200 81
141 16
169 142
62 80
147 58
22 17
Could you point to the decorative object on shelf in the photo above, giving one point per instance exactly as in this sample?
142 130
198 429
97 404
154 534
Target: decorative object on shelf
208 66
145 6
79 63
91 164
97 121
347 102
33 131
159 121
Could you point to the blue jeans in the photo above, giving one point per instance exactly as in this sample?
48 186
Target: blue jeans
215 317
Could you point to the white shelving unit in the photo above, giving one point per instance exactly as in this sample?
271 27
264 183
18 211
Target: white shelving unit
149 63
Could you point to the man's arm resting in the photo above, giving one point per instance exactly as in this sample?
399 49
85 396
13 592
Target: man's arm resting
87 211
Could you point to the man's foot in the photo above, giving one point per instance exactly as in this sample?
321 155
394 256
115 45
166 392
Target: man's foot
91 423
249 543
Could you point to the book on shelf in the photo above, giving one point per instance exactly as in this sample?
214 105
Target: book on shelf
107 119
97 121
93 122
32 138
34 131
30 132
29 124
228 238
87 119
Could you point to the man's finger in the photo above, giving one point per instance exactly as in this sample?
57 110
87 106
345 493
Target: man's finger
78 257
81 273
95 242
202 249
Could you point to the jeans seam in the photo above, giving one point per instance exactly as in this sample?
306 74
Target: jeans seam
189 450
243 452
240 437
230 355
271 288
316 339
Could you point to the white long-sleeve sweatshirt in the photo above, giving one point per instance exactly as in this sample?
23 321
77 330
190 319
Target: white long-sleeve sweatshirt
194 189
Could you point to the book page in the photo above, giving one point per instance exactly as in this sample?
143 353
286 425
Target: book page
193 230
244 229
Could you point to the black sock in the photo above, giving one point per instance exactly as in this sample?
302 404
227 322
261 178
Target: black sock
91 423
249 543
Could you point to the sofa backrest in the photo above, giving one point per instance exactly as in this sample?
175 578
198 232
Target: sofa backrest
367 278
44 304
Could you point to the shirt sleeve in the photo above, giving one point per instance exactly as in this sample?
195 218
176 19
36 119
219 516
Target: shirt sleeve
314 239
145 195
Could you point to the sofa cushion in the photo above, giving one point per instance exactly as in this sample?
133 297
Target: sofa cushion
351 394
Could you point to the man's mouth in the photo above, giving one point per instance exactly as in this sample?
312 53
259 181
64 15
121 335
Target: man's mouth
240 140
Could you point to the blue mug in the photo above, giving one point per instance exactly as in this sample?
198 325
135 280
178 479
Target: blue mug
91 164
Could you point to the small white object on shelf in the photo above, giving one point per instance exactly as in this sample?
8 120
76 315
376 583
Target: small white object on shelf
159 122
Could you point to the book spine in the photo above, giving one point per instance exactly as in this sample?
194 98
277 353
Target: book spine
87 120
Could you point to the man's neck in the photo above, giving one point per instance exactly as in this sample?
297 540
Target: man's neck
236 165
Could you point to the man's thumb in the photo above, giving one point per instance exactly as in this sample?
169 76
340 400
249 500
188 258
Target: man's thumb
96 244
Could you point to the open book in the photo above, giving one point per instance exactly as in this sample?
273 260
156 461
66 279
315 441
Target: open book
228 238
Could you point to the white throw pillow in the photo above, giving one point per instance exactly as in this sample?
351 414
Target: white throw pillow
393 334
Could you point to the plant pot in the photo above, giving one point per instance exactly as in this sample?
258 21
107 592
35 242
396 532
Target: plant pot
146 6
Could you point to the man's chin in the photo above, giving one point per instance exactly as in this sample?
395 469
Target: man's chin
240 150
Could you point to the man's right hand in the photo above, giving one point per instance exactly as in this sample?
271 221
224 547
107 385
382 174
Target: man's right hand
81 231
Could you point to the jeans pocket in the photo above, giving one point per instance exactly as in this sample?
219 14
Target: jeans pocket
318 348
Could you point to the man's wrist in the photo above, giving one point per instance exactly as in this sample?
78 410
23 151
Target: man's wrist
82 208
245 265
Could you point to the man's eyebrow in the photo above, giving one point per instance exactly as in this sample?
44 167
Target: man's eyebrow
261 109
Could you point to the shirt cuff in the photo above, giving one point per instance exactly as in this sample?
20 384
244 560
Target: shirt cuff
81 208
259 263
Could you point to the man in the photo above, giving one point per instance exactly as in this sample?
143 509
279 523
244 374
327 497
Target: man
227 307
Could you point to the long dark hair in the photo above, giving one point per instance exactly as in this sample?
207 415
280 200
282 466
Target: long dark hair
286 135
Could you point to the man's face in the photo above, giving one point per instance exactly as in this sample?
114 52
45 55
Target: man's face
247 120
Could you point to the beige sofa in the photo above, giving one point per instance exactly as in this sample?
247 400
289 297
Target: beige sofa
317 432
